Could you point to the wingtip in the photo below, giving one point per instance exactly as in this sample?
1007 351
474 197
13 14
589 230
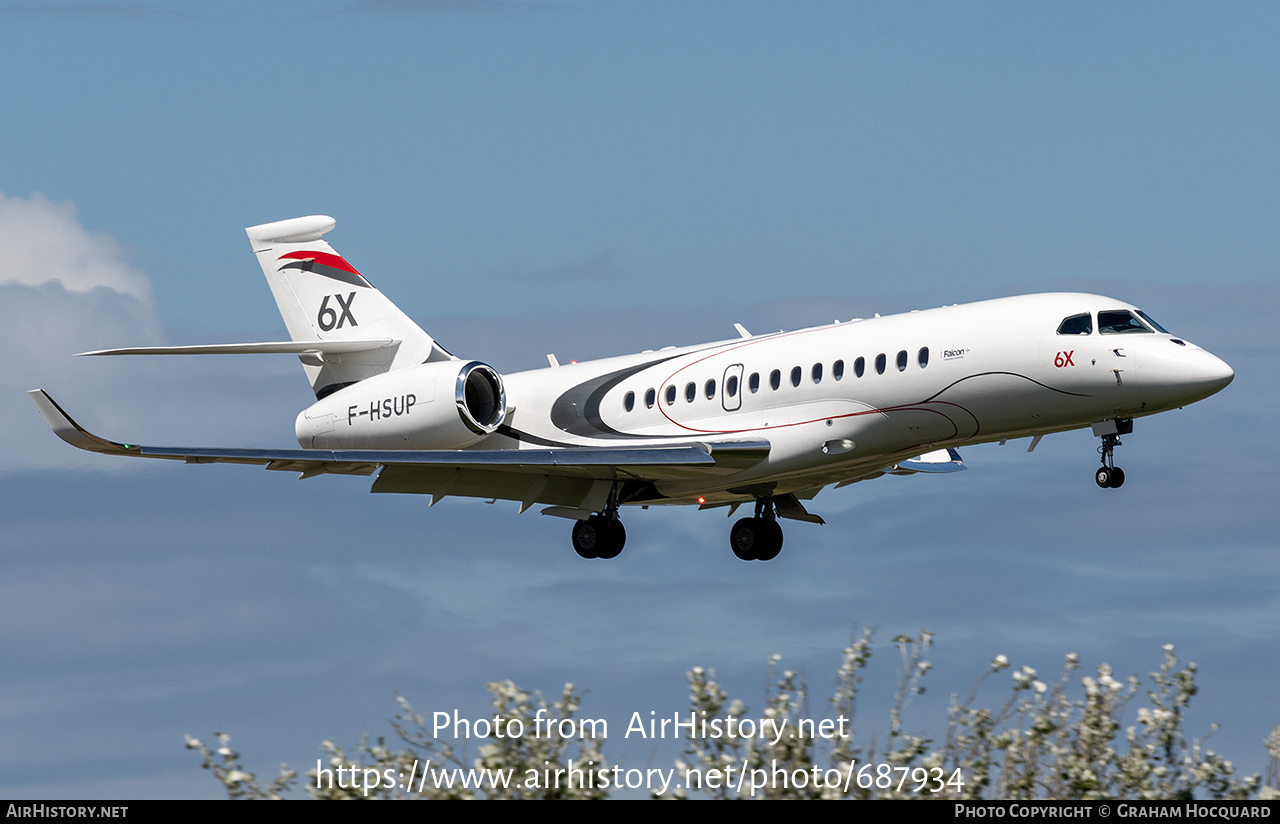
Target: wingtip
67 429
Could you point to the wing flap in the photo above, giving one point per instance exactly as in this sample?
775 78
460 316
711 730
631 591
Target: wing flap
476 482
789 506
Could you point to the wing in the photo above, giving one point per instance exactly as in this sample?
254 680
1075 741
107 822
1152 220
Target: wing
575 478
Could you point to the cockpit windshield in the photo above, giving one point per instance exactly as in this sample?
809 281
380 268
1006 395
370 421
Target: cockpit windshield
1154 325
1077 325
1122 322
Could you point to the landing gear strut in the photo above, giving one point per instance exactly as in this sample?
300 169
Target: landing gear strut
758 538
1110 476
601 535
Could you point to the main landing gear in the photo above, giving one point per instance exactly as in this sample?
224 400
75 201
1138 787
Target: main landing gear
1110 476
758 538
752 539
601 535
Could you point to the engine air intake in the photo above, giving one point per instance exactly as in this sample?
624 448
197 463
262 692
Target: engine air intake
480 397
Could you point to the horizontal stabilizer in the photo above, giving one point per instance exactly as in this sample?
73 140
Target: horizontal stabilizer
310 347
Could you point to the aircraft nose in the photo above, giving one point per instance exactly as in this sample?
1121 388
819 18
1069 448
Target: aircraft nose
1214 373
1205 372
1178 374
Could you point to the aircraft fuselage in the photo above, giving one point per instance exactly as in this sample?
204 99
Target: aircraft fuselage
768 419
834 401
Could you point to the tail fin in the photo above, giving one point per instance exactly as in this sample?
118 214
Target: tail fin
323 298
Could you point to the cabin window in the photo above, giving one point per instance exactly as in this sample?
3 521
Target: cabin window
837 370
710 389
880 363
775 379
629 402
690 391
649 398
796 372
1077 325
753 383
922 357
671 394
817 373
859 366
731 386
902 361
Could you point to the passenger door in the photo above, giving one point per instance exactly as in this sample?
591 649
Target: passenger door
731 388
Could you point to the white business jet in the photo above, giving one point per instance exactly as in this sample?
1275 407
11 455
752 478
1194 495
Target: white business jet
766 420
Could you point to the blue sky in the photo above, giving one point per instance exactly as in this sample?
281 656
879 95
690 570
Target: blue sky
590 179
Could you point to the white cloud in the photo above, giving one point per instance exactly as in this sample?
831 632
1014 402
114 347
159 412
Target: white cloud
43 242
63 289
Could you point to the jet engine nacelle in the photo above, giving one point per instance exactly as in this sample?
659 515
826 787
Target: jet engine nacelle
443 405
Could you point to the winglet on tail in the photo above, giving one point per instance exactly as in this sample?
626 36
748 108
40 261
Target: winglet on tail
70 431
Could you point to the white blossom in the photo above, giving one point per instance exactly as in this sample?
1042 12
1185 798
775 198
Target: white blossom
1050 739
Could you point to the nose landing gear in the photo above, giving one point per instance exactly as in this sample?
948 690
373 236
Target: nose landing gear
1110 476
758 538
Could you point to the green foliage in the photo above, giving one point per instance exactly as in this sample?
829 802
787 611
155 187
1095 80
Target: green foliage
1059 740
